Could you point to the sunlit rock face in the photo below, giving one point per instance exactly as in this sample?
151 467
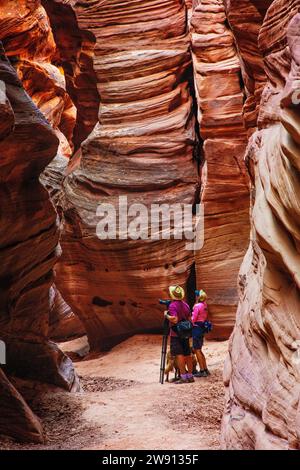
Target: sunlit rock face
262 369
74 52
29 249
245 18
225 185
63 323
142 148
28 41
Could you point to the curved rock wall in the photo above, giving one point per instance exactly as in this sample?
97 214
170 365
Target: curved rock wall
74 53
28 41
245 18
40 70
142 148
225 184
262 370
17 420
144 74
29 230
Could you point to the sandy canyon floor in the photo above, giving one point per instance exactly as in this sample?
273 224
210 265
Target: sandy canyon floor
122 405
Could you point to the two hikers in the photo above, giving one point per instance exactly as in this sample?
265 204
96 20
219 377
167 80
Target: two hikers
179 311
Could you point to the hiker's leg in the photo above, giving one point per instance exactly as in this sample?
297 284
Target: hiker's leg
181 364
201 359
189 364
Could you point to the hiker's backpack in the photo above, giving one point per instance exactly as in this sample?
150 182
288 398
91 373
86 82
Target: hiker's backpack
207 326
184 329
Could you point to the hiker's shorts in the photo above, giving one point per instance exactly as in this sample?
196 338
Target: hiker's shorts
198 335
180 347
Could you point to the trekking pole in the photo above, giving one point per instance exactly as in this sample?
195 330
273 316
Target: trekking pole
164 350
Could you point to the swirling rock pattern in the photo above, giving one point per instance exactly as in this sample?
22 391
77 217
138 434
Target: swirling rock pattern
142 147
245 18
63 323
17 420
46 85
28 41
74 53
225 186
262 370
29 246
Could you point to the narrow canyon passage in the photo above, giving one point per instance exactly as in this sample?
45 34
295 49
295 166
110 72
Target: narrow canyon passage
152 103
122 405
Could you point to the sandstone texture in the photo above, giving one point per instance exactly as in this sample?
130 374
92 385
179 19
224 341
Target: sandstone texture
74 53
142 147
17 420
262 369
146 146
29 43
224 182
63 323
157 102
29 249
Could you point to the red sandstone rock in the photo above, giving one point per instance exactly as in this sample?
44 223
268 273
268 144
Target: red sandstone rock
225 187
17 420
27 38
262 369
74 52
28 240
46 85
245 18
142 147
63 324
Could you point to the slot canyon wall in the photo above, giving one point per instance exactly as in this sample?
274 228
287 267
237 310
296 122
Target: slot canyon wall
262 369
145 63
148 117
159 104
28 41
29 249
29 230
224 181
146 146
142 148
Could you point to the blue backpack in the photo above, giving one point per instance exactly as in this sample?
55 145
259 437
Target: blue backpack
207 326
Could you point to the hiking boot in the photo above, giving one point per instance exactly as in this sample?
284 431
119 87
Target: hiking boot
207 372
191 379
182 381
202 373
175 379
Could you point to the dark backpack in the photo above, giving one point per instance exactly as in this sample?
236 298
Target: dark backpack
207 326
184 329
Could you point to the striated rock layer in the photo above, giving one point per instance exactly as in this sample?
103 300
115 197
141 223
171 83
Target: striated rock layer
63 323
245 18
262 369
17 420
142 148
29 43
225 186
28 241
74 53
